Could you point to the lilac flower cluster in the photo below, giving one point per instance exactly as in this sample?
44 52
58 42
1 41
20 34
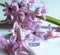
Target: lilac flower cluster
24 19
15 45
21 11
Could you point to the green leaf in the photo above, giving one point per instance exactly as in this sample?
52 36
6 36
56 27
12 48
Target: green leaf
1 4
50 19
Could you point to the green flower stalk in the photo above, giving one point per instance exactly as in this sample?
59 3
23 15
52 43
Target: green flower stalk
50 19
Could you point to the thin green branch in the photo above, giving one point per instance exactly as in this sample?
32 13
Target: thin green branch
50 19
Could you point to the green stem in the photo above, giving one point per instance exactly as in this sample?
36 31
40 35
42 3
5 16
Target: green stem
1 4
50 19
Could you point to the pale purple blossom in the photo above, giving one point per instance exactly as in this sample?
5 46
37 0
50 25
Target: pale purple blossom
43 10
25 23
8 9
15 44
37 11
20 11
35 34
49 33
35 26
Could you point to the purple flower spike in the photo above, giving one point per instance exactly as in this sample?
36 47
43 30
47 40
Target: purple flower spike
21 12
